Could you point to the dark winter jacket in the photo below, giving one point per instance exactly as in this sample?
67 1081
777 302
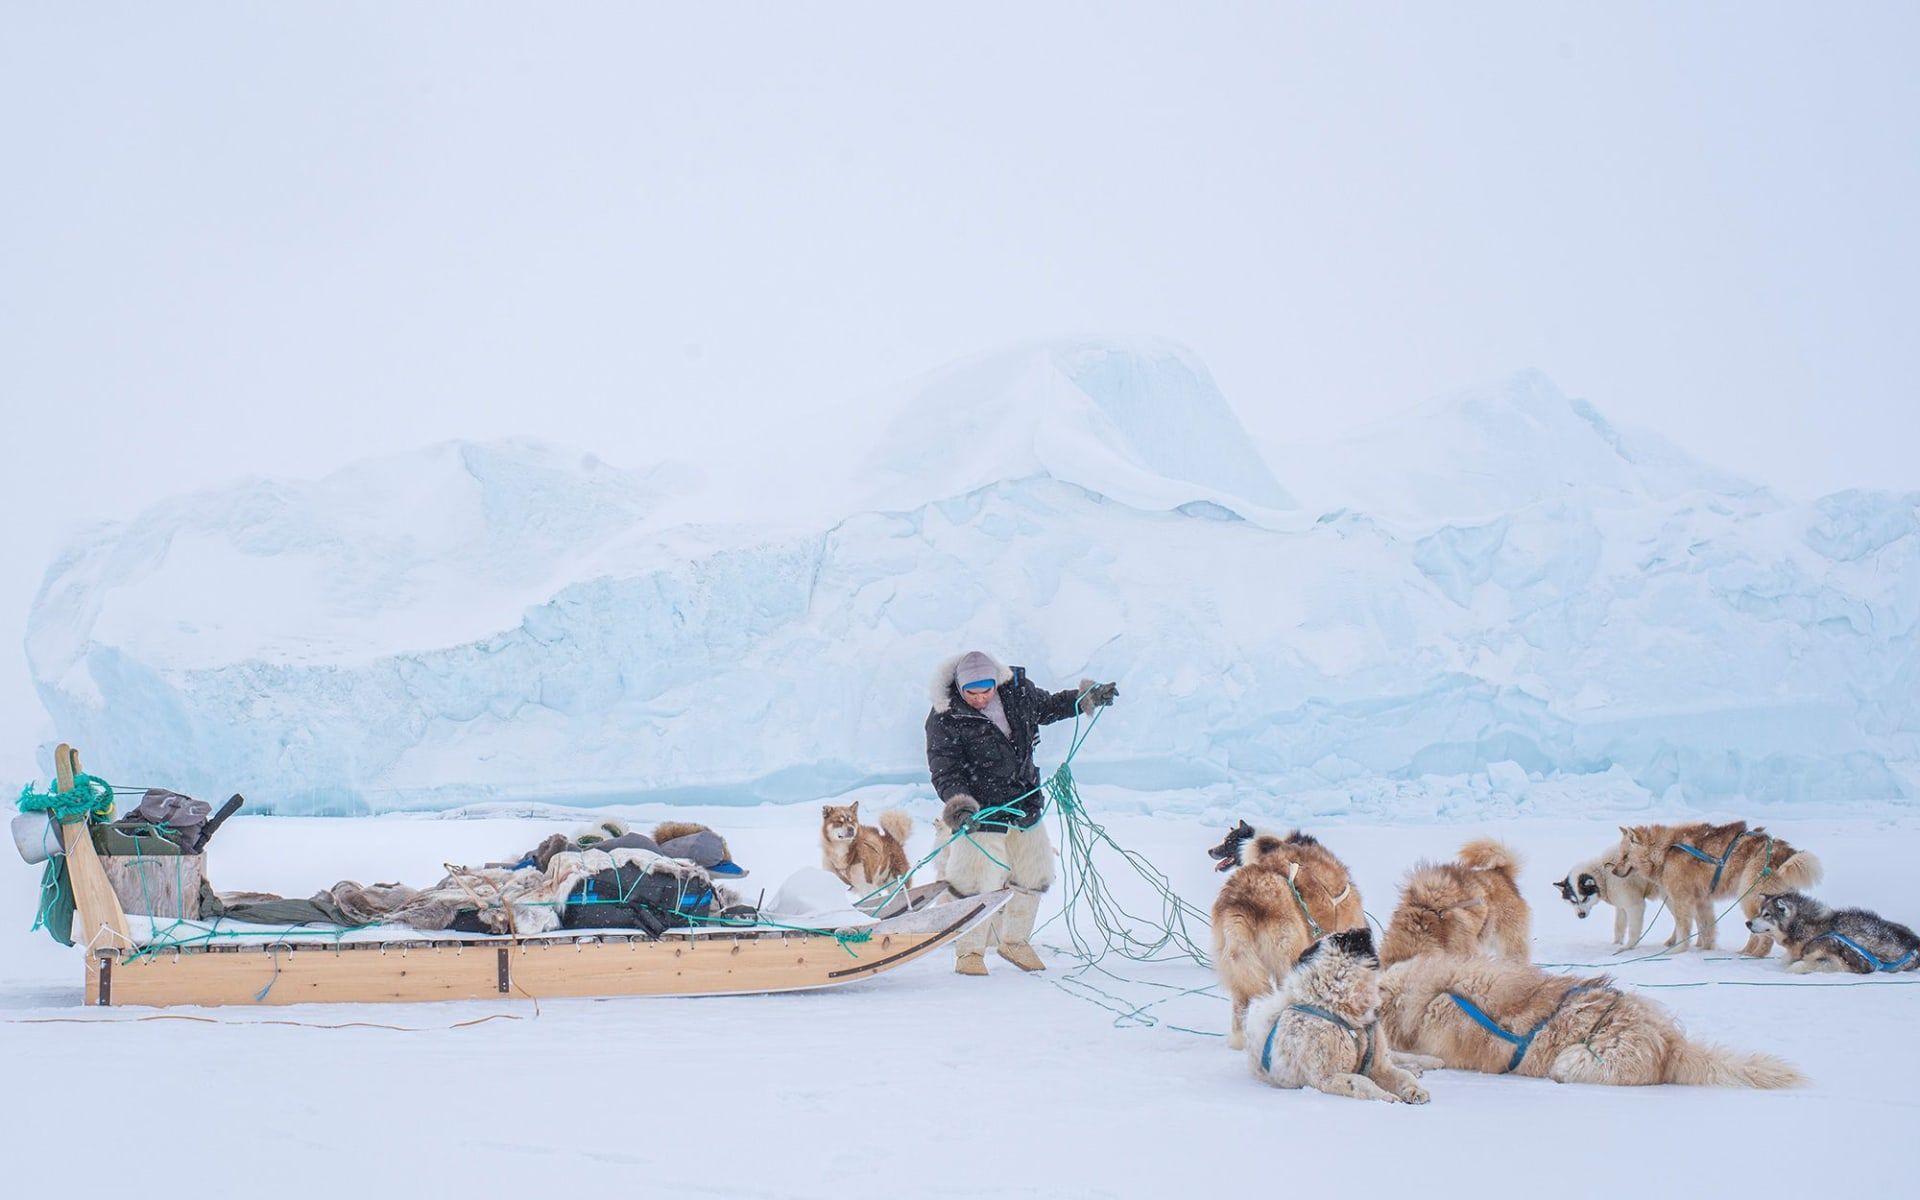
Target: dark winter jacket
968 754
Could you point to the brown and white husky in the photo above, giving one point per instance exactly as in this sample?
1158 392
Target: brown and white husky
1696 864
862 856
1287 892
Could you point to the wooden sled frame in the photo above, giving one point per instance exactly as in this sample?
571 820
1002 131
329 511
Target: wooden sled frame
320 970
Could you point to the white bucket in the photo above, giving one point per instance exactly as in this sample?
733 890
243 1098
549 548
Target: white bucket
37 836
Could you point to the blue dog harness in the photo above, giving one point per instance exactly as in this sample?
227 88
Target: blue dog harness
1521 1044
1363 1040
1720 864
1897 965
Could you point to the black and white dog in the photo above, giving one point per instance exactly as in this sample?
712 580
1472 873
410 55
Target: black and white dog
1591 882
1819 938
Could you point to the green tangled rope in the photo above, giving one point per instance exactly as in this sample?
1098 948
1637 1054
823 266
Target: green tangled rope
90 797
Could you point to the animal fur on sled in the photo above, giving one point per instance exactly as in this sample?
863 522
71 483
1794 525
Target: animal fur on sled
1258 927
1600 1035
1472 906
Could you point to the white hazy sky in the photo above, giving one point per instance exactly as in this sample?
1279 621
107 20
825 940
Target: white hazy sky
273 238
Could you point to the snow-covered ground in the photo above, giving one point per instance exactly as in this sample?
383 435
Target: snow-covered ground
922 1083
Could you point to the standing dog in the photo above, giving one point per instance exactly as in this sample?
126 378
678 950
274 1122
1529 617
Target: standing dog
1818 938
1467 907
1287 893
1322 1028
1694 865
862 856
1593 881
1480 1014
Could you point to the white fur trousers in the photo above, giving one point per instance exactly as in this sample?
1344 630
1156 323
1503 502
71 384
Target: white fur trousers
1027 855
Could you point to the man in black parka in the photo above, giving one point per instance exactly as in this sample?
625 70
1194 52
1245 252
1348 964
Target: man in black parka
981 734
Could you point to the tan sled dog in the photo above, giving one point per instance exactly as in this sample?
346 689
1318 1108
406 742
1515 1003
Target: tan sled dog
1287 892
1467 907
1481 1014
1322 1028
1694 865
862 856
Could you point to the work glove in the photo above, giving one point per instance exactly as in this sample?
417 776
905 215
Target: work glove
959 811
1096 695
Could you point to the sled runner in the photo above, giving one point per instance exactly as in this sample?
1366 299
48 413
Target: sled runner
300 966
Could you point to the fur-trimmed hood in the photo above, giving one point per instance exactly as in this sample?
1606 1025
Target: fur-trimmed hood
941 689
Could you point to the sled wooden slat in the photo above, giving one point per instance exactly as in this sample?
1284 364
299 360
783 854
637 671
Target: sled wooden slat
303 975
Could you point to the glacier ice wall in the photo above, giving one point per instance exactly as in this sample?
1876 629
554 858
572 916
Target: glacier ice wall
1504 581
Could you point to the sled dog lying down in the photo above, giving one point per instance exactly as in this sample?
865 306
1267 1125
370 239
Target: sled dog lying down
1321 1029
1819 938
1482 1014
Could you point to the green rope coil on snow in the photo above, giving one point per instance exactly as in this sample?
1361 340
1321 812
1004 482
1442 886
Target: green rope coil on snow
88 798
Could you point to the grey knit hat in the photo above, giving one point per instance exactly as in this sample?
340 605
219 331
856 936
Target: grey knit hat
973 667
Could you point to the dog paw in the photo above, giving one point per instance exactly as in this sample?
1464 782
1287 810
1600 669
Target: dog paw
1414 1094
1801 967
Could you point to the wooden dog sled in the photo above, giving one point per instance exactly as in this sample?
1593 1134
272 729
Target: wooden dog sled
301 967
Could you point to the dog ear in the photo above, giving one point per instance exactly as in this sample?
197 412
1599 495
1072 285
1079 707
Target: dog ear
854 808
1243 830
1566 890
826 810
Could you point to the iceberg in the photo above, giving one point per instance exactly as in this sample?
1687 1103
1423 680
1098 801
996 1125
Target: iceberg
1505 587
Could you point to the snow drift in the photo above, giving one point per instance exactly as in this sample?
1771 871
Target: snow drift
1504 583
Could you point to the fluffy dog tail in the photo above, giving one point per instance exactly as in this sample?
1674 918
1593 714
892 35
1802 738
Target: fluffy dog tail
897 824
1797 874
1486 854
1705 1065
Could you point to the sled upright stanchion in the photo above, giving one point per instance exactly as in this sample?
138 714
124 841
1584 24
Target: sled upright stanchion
103 924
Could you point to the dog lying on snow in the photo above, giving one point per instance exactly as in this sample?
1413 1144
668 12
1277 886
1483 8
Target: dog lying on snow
1481 1014
1467 907
1594 881
1694 865
1286 893
1818 938
1321 1029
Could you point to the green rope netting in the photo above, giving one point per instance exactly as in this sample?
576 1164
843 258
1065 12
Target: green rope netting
90 798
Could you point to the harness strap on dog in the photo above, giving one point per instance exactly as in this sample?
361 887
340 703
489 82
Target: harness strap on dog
1363 1040
1313 926
1521 1043
1877 964
1720 864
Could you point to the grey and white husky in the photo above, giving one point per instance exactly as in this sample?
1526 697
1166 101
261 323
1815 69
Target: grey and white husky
1593 881
1818 938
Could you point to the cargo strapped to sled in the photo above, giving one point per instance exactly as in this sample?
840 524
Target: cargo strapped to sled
1899 964
1720 864
1521 1044
1363 1040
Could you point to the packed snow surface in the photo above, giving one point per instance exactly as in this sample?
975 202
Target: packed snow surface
921 1083
1503 585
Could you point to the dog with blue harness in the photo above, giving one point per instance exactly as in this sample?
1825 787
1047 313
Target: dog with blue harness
1698 864
1819 938
1321 1028
1508 1018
